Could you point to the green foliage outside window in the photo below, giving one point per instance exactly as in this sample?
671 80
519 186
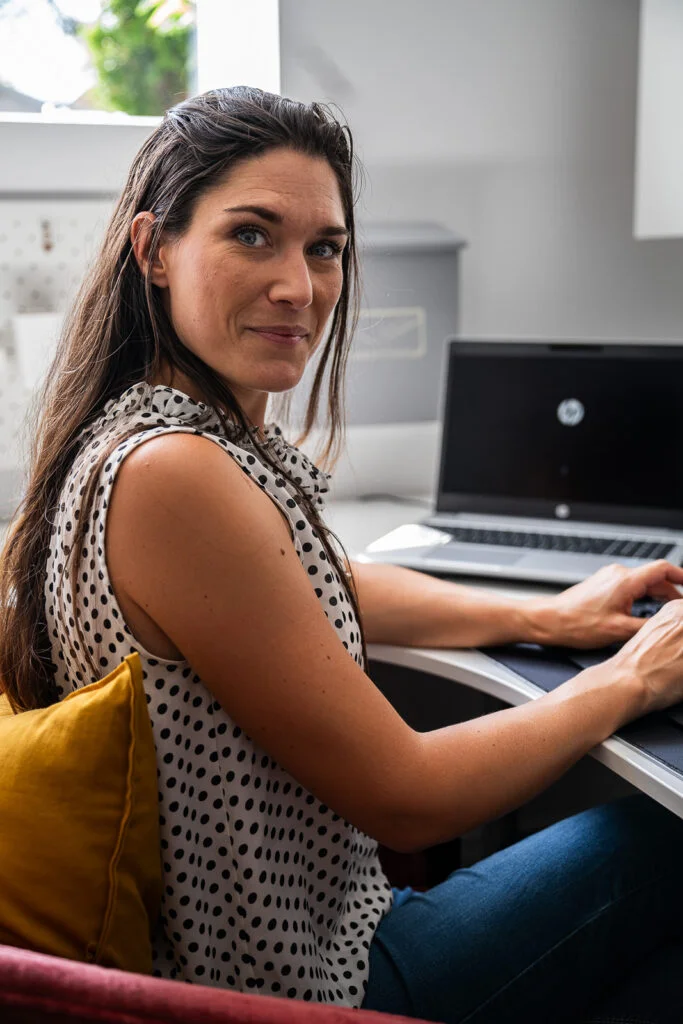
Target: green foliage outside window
140 50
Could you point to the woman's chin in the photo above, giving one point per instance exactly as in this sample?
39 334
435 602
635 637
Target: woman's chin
263 378
284 379
280 386
272 384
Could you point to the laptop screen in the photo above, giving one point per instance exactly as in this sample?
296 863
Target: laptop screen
568 431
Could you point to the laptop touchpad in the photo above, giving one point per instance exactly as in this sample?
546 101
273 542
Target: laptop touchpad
469 553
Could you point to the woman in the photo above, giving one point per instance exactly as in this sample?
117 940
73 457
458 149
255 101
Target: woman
165 517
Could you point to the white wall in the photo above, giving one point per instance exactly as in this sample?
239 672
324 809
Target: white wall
54 158
659 164
513 123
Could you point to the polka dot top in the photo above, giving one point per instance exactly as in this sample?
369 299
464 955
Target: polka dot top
265 888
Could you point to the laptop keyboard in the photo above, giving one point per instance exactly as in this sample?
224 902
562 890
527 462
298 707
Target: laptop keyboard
617 547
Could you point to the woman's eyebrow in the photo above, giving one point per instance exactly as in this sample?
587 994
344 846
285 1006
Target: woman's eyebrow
275 218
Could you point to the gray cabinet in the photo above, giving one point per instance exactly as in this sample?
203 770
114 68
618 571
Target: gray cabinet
409 307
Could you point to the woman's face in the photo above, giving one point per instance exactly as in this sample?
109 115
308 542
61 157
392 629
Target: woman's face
252 282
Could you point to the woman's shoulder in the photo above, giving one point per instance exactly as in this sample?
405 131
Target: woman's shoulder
145 412
154 446
187 466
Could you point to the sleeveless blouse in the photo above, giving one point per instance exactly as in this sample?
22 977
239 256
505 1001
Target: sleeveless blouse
265 888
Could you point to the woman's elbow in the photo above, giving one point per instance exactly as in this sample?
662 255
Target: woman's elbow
412 833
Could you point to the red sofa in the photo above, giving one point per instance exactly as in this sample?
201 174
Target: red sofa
38 989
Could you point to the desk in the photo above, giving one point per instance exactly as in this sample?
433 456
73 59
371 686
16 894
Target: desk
359 522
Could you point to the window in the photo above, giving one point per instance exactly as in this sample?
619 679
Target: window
66 128
62 57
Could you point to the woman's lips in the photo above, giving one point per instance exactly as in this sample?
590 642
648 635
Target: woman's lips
279 338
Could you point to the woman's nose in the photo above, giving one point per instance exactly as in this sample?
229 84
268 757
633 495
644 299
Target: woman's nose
292 281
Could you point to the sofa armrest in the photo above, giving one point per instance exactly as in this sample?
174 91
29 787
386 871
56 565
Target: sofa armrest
39 989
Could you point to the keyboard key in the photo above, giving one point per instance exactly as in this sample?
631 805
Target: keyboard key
629 548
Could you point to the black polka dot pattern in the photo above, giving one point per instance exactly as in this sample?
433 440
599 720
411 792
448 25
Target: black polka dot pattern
265 888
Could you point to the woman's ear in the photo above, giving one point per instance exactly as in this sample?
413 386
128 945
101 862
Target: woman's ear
140 238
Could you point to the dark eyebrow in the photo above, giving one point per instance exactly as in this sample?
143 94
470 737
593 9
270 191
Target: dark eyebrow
275 218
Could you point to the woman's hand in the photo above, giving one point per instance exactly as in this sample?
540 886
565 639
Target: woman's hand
597 611
654 657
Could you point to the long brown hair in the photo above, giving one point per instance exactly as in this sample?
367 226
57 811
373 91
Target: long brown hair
118 333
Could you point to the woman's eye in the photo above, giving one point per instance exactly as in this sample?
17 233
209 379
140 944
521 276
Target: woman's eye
330 249
253 237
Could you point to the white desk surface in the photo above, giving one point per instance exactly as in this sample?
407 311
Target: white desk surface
359 522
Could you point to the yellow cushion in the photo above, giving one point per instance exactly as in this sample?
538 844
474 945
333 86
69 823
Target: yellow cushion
80 859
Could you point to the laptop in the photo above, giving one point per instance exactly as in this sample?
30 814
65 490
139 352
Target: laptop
556 459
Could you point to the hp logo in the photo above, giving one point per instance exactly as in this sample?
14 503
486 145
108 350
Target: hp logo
570 412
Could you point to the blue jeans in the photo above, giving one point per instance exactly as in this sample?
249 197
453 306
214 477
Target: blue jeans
582 921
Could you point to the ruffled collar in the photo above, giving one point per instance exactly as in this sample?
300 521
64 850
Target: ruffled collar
157 405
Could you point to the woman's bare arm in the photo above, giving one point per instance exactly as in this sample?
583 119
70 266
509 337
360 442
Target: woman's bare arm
208 557
401 606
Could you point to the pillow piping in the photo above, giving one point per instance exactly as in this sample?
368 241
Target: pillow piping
133 661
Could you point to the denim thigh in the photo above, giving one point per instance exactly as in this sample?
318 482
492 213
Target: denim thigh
541 930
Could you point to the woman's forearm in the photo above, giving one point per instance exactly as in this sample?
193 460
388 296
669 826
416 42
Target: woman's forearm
476 771
400 606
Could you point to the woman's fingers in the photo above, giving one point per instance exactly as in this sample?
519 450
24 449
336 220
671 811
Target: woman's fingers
664 591
658 572
655 579
596 612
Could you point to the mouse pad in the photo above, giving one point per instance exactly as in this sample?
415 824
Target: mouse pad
549 667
